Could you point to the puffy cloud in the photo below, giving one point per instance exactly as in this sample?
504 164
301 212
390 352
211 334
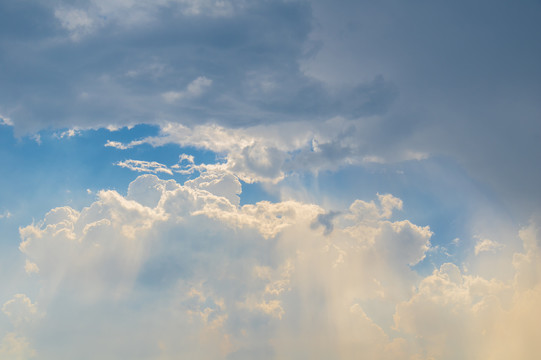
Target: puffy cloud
287 279
14 347
228 268
97 251
220 183
31 267
455 315
20 310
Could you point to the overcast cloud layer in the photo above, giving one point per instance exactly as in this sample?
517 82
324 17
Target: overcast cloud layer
218 179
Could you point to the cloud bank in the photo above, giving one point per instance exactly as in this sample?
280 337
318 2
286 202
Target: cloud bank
274 280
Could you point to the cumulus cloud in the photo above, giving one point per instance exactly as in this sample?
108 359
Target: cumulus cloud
97 251
288 87
31 267
456 315
14 347
235 265
20 310
287 279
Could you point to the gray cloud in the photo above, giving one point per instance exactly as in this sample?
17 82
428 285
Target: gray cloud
94 65
457 80
466 75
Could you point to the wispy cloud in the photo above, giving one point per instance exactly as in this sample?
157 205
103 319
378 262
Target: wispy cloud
144 166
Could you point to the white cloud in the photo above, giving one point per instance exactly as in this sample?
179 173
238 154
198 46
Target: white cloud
97 251
117 145
144 166
220 183
4 120
267 153
454 315
188 260
98 254
20 310
486 245
69 133
14 347
31 268
22 313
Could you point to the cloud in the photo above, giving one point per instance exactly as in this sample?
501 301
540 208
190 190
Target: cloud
484 245
353 46
97 251
96 14
268 153
4 120
22 313
279 90
144 166
290 64
194 89
455 315
20 310
76 21
31 268
220 183
209 7
116 145
189 258
251 66
228 266
14 347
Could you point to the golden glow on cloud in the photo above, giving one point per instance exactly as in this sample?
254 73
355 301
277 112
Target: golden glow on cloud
280 277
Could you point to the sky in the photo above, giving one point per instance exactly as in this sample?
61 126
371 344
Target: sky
271 179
